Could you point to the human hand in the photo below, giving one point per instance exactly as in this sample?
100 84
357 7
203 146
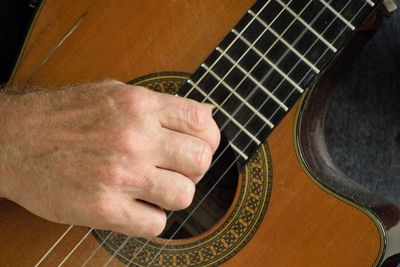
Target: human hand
99 154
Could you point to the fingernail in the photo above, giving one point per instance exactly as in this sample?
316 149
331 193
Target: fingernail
208 105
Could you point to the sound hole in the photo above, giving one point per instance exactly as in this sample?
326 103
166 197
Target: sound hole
213 198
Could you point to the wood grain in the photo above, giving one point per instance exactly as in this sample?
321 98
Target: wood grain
304 225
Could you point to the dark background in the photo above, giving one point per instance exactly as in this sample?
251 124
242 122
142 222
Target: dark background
15 18
363 122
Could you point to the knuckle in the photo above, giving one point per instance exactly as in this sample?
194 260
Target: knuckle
185 197
197 116
141 181
101 211
155 225
109 83
215 139
132 99
203 158
168 197
137 100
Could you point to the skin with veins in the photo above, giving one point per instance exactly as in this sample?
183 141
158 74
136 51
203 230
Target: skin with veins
105 155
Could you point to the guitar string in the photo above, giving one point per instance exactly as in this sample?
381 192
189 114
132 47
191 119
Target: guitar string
188 93
317 61
321 56
242 104
182 224
54 245
105 240
230 94
48 252
110 232
248 144
127 240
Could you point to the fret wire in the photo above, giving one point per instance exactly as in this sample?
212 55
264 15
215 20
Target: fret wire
221 80
341 32
298 38
287 51
250 95
264 57
251 21
191 213
307 26
254 80
258 142
230 45
337 14
370 3
280 38
361 8
228 168
295 42
282 57
323 54
189 216
241 153
295 66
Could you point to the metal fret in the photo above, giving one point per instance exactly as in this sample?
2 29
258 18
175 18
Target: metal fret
241 153
262 87
261 116
264 5
255 139
331 47
280 38
259 70
263 43
370 3
301 90
337 14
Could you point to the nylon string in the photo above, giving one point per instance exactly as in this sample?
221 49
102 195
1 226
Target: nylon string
115 253
169 240
254 17
257 133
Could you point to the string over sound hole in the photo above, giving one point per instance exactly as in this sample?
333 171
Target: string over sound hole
213 198
233 209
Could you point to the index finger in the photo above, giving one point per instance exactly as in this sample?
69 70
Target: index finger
189 117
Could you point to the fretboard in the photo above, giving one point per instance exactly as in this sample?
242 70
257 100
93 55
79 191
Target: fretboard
273 54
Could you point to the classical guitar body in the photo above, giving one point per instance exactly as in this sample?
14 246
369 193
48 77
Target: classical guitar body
288 204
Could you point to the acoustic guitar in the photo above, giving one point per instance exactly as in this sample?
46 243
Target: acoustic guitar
272 196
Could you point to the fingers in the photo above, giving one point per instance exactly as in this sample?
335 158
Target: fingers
189 117
169 190
140 219
188 155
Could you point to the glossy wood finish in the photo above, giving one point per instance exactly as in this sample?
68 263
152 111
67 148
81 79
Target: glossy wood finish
304 225
124 39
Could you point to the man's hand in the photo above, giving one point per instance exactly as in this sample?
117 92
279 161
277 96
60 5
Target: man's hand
99 154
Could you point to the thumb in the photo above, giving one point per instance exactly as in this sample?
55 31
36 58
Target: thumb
210 107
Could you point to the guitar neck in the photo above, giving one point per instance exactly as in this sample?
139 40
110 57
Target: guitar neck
272 55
